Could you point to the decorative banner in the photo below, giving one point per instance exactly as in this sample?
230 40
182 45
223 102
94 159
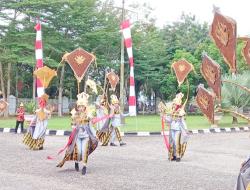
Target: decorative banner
3 106
182 68
211 71
79 61
128 42
39 59
113 79
223 33
246 51
45 75
206 102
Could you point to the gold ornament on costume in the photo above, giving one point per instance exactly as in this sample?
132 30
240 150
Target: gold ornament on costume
82 99
114 99
161 107
3 106
45 75
113 79
44 97
92 85
73 111
182 68
79 59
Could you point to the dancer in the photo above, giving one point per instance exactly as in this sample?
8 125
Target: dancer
178 136
83 139
35 136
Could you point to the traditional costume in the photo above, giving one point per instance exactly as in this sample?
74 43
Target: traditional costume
20 117
103 125
116 122
243 181
83 139
178 135
34 138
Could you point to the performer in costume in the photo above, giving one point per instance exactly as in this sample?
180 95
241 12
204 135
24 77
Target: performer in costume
20 117
243 181
103 125
34 138
178 135
84 140
116 122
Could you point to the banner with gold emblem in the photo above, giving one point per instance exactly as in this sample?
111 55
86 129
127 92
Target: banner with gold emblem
223 33
206 102
211 71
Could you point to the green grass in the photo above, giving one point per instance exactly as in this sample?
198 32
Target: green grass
144 123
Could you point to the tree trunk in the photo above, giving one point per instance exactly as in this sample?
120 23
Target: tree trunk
235 121
34 85
2 81
60 93
6 113
16 85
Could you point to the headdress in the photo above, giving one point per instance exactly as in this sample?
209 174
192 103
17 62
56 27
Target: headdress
82 99
44 97
114 99
21 104
178 98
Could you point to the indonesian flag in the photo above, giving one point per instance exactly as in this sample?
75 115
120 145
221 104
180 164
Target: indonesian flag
128 42
39 59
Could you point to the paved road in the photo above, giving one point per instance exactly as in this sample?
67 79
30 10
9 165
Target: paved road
211 161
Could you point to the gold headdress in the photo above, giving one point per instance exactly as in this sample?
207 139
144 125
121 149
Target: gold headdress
178 98
114 99
44 97
82 99
21 104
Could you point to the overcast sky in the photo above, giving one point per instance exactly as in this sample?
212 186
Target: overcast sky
170 10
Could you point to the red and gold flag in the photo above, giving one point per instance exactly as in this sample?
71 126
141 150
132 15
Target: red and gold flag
206 102
182 68
211 71
223 33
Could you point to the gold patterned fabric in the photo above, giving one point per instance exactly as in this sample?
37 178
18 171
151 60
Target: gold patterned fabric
72 157
102 136
108 136
32 143
118 134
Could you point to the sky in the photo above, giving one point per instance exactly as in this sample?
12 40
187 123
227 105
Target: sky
170 10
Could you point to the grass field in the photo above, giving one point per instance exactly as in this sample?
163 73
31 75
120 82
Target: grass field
144 123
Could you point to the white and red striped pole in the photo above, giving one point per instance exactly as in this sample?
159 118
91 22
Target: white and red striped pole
128 42
39 59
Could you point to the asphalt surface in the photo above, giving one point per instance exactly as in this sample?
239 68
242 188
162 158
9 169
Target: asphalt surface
211 161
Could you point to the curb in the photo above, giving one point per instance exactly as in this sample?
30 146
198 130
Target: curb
68 133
